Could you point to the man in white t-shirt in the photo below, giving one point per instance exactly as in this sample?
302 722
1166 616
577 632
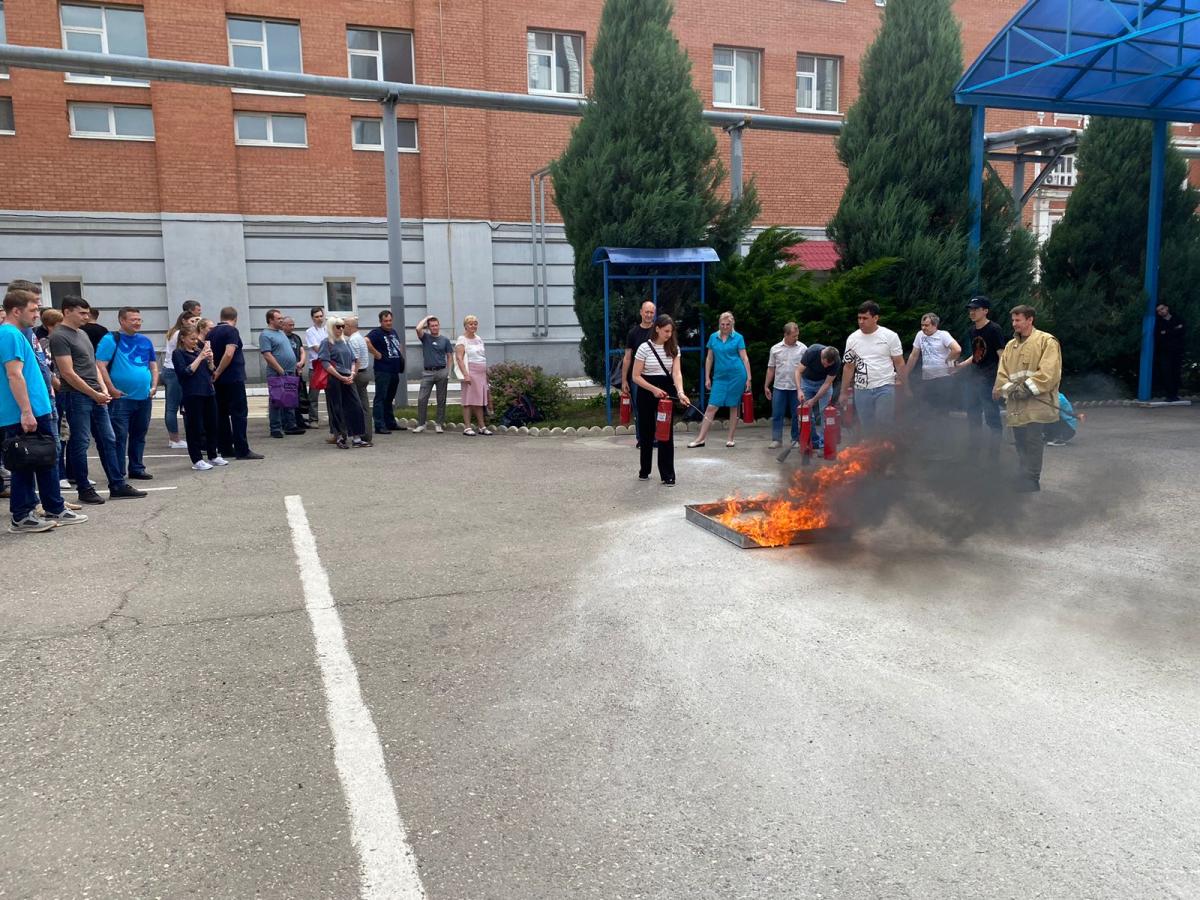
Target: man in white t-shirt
873 366
312 340
935 350
780 386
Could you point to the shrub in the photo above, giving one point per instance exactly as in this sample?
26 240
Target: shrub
509 380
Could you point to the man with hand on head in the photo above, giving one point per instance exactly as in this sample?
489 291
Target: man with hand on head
436 354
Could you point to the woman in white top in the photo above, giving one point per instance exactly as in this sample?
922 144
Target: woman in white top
656 370
471 364
935 349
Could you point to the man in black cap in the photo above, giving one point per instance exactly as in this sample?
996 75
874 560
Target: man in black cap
983 342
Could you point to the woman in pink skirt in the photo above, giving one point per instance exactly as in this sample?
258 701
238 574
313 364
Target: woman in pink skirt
471 365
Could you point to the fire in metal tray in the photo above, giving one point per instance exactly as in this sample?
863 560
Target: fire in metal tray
814 507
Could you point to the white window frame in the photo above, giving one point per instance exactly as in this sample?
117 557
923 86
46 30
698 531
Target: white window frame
49 294
102 31
732 70
3 39
339 279
554 36
11 106
112 122
377 55
270 117
230 42
378 148
837 94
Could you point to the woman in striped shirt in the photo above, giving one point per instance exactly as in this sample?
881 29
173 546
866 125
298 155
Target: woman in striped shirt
656 370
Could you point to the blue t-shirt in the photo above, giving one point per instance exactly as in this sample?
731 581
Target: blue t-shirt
13 346
129 358
277 344
222 336
387 343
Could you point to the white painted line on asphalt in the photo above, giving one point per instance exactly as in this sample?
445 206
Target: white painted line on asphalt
156 456
387 866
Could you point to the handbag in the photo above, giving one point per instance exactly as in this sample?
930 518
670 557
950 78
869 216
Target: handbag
30 452
284 390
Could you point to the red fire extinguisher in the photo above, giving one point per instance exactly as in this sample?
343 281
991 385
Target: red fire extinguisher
626 409
805 430
662 423
748 408
833 431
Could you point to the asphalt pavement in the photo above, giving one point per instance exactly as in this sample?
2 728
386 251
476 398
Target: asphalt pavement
577 693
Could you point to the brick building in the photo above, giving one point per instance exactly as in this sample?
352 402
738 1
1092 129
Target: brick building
152 193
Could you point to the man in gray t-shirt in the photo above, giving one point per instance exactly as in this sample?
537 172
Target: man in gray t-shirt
85 402
437 352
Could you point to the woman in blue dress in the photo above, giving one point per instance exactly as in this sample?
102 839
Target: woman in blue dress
726 375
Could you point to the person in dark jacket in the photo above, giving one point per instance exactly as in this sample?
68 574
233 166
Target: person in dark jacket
193 363
1168 351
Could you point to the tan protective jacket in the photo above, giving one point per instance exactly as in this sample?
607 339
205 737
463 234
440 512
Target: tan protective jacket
1035 362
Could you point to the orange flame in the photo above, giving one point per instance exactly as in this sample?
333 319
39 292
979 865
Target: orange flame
809 501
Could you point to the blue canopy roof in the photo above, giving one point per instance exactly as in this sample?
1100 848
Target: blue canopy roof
638 256
1131 58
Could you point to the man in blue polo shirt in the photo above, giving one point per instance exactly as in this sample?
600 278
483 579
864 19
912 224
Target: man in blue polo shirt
129 368
25 409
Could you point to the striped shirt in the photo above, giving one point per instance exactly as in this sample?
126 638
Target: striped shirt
646 353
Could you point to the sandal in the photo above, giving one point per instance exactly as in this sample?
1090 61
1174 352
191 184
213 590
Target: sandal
468 432
694 444
487 431
730 444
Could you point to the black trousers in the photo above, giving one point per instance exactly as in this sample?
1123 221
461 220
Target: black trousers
200 427
345 410
1170 370
232 415
647 410
1030 448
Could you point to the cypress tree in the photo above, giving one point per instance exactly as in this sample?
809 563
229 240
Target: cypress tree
641 168
1094 263
906 148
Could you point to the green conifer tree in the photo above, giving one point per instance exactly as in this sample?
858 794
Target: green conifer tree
906 148
1094 263
641 169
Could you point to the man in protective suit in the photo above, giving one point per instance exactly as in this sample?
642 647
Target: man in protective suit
1027 380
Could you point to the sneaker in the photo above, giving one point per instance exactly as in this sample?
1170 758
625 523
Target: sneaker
438 429
774 445
219 461
250 455
31 524
487 431
66 517
176 445
90 496
342 444
141 476
64 485
418 429
468 432
359 442
126 492
277 434
1056 443
202 466
296 431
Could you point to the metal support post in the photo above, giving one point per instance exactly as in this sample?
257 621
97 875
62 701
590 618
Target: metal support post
1018 190
735 160
545 273
607 360
1158 156
978 114
703 349
391 170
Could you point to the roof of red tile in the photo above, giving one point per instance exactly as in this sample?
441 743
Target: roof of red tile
816 256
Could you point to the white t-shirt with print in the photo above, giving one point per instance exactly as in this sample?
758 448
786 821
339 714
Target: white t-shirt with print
314 336
935 353
784 360
871 354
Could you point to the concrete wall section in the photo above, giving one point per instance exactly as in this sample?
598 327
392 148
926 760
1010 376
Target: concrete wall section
205 259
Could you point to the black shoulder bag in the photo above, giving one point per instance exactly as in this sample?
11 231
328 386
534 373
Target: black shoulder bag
30 452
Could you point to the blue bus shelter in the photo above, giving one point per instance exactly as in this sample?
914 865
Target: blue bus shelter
655 267
1125 58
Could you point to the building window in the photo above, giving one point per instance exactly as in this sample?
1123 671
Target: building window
380 55
120 123
339 295
367 134
3 39
269 129
555 63
104 29
735 77
57 288
1063 174
7 124
261 44
817 83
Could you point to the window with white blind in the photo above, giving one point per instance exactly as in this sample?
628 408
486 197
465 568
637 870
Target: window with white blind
817 79
555 62
735 77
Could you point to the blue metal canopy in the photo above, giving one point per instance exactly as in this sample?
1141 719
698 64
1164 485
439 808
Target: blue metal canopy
639 256
1129 58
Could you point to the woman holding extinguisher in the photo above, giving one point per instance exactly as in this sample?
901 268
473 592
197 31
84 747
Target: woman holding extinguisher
658 374
726 375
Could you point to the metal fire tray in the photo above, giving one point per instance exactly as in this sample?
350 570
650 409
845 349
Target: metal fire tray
704 515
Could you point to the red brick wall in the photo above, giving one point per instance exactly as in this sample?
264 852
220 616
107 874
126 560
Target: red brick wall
472 163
